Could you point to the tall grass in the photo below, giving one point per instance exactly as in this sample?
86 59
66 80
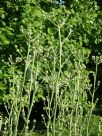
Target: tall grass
68 110
23 90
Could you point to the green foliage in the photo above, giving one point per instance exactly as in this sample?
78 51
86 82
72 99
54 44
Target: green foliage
44 53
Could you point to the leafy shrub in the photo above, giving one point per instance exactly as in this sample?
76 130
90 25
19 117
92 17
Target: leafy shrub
47 54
